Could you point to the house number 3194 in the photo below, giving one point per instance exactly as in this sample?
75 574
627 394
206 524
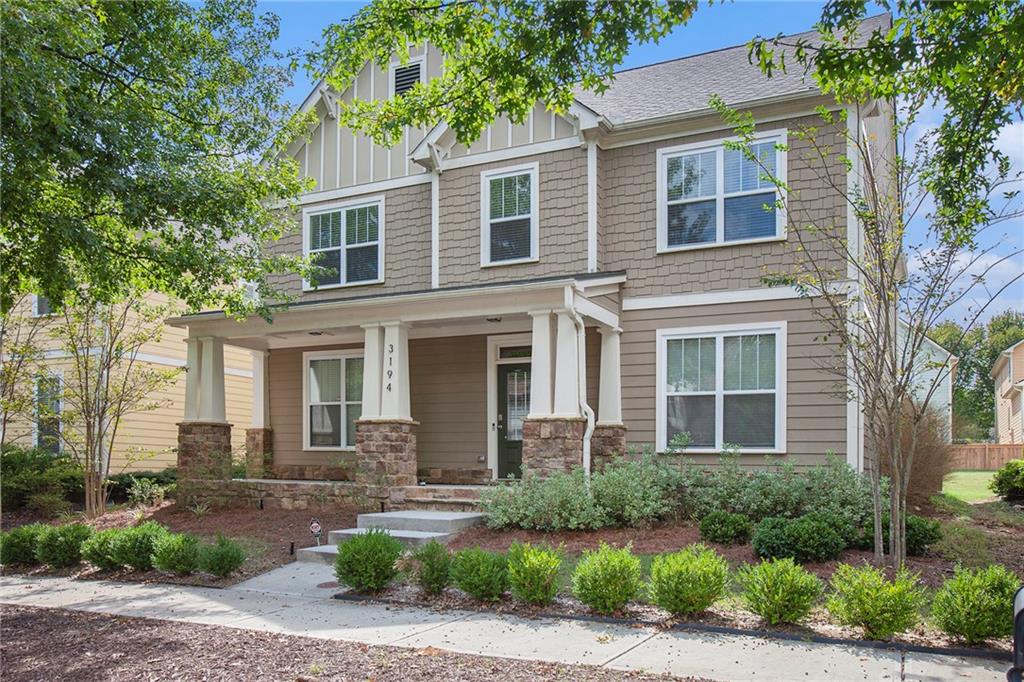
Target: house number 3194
391 364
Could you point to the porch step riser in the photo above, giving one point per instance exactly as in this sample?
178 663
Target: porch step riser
444 505
427 521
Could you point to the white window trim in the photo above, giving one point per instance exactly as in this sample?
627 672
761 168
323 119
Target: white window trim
343 206
59 375
325 355
780 136
395 65
662 336
485 214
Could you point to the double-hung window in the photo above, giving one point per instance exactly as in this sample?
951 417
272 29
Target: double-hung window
333 385
345 243
709 194
509 216
48 409
722 386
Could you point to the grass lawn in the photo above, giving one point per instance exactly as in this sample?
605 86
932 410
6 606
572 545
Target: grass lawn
969 486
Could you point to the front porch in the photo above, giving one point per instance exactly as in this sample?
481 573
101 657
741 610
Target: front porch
446 388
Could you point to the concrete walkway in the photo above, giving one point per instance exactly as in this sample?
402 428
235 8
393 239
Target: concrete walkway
290 600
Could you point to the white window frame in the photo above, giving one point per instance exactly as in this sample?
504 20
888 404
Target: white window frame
779 136
395 65
343 206
533 169
663 336
326 355
57 374
35 308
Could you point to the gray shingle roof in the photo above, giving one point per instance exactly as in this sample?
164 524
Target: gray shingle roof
686 84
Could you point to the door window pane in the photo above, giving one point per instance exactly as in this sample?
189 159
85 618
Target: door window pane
518 396
693 414
749 420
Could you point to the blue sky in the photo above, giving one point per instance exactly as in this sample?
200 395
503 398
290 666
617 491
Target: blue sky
711 28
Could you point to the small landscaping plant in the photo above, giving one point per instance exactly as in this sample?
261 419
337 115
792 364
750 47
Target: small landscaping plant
808 538
177 553
533 573
606 579
61 546
965 545
688 581
18 545
559 502
144 492
636 492
921 533
976 605
725 528
222 558
134 547
367 562
481 574
863 597
779 590
1008 481
98 550
433 568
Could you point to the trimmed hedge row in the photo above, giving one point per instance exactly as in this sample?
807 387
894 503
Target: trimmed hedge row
140 548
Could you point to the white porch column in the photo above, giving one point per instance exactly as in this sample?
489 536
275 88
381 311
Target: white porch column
609 400
373 346
211 380
567 383
192 370
394 399
260 389
541 364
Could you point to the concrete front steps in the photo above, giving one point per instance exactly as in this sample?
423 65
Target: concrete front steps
412 528
441 497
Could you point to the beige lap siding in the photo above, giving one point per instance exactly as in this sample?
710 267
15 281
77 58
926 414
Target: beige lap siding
815 413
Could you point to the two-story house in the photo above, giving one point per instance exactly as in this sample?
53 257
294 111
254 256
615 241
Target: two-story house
551 295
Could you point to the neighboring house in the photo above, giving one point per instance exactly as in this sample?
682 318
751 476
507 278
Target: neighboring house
935 374
146 440
551 294
1008 376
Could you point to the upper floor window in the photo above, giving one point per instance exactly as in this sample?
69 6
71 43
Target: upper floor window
42 307
403 78
509 231
334 398
710 195
345 243
723 386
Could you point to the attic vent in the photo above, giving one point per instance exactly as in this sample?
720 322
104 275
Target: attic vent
406 77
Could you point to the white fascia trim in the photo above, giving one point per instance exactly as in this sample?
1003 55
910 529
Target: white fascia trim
591 206
512 153
397 64
435 230
599 314
320 354
485 221
780 329
713 298
359 190
341 206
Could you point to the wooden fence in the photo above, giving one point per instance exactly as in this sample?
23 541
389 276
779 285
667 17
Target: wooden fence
985 456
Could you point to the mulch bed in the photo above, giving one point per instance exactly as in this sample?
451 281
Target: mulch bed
46 644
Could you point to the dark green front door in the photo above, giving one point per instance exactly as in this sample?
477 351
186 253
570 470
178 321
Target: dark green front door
513 406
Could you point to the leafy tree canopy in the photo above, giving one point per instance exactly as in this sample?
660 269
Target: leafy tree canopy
138 149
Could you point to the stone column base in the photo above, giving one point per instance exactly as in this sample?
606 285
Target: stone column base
607 443
386 457
553 444
259 456
204 454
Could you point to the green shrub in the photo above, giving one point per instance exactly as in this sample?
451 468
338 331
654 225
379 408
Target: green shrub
1008 481
533 573
222 558
779 590
27 472
145 492
725 528
607 578
636 492
688 581
134 547
48 504
118 485
98 550
559 502
18 545
864 597
812 537
177 553
481 574
433 567
964 545
976 605
61 546
921 534
366 562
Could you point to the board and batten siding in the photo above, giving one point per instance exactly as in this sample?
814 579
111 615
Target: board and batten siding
816 411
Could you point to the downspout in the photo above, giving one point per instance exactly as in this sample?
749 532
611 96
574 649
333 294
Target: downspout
581 378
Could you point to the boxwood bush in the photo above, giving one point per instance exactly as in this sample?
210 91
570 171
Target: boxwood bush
779 590
976 605
863 597
61 546
367 562
177 553
222 558
1008 481
606 579
533 573
134 547
98 550
813 537
481 574
725 528
433 565
18 545
688 581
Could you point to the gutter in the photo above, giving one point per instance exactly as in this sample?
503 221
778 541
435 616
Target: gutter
581 378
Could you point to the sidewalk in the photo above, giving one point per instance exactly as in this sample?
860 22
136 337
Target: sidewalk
289 601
